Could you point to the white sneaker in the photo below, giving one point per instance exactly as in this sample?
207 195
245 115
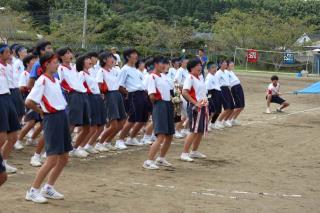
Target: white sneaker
268 111
133 142
31 142
153 137
219 125
101 148
51 193
121 145
186 157
83 151
109 146
185 132
10 169
162 162
197 154
35 161
90 149
18 145
43 157
227 123
178 135
35 196
77 153
146 140
149 164
235 123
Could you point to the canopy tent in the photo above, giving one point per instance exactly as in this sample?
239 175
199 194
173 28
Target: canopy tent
312 89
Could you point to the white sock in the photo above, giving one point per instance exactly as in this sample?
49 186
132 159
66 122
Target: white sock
4 162
37 155
33 189
46 186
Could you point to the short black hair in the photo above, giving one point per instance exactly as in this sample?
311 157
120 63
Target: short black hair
62 51
18 49
3 47
201 49
27 59
149 64
46 57
159 59
193 63
274 78
210 64
41 45
80 62
13 47
128 52
174 60
93 54
103 56
140 61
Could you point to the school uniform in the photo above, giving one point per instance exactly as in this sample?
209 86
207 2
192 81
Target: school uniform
132 79
224 80
76 94
172 73
47 92
236 90
9 121
114 104
13 76
274 91
198 117
97 107
94 71
163 112
214 92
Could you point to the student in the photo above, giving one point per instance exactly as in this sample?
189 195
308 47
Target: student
117 56
78 100
41 49
179 79
9 122
214 93
115 110
98 113
95 68
162 115
131 84
273 95
204 59
30 121
238 95
194 91
227 99
47 92
173 70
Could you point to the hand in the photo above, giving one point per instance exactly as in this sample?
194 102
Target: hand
41 113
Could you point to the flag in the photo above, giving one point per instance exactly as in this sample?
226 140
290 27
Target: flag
288 58
252 56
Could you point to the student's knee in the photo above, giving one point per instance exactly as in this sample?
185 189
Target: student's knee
63 159
3 178
269 97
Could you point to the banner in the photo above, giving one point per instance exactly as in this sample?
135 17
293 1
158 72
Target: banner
288 58
252 56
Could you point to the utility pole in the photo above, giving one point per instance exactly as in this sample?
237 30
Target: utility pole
83 44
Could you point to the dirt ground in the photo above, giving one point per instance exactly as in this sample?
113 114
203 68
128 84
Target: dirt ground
269 164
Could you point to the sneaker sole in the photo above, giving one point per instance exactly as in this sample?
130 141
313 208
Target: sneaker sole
29 199
186 160
148 168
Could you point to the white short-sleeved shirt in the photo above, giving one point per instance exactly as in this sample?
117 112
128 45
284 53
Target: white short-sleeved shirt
89 82
169 80
234 80
181 76
47 92
118 58
273 90
110 78
223 77
172 73
12 76
145 80
4 84
196 87
69 79
131 79
19 68
24 78
159 86
94 70
212 82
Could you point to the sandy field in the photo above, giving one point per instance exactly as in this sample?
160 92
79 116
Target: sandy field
269 164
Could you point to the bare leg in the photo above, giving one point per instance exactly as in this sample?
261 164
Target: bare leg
26 128
8 146
155 147
188 142
61 162
44 170
84 130
165 146
197 141
136 128
96 135
126 129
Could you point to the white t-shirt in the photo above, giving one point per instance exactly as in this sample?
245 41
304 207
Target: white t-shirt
159 86
169 80
69 79
181 76
109 78
89 82
47 92
131 79
223 77
24 78
172 73
118 58
234 80
196 87
273 90
4 85
12 77
212 82
94 70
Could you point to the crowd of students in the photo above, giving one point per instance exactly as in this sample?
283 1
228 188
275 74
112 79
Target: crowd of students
82 104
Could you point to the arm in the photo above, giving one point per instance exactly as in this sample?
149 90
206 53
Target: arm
33 105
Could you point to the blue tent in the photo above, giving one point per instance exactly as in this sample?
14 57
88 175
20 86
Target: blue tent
312 89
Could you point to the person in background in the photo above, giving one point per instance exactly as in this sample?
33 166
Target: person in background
273 95
118 58
204 59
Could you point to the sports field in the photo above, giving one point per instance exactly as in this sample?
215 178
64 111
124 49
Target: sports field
269 164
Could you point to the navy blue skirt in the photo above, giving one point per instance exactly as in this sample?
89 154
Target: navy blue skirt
227 99
98 110
163 118
238 96
17 100
9 121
